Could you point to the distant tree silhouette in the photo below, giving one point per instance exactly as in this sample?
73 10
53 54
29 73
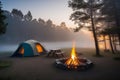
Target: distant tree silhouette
85 12
28 16
41 21
3 25
35 21
49 22
17 12
63 24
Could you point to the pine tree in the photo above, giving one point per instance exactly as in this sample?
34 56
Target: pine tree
85 12
28 16
2 23
17 13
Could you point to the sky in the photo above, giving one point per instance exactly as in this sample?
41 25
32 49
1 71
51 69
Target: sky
56 10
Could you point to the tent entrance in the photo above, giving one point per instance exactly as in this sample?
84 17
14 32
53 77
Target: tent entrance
21 51
39 48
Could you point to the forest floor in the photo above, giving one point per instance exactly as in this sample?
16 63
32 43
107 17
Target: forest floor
42 68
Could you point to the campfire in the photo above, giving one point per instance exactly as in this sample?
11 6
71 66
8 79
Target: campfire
73 62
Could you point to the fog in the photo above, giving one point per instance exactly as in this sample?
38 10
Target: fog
49 45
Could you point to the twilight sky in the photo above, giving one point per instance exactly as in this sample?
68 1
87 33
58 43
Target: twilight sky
56 10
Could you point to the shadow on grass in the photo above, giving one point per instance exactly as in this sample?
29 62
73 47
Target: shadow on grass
98 56
117 58
6 78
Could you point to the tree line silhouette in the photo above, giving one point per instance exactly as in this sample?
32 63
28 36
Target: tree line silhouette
23 27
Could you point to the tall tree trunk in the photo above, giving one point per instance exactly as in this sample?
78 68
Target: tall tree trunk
105 44
93 29
114 43
111 45
119 38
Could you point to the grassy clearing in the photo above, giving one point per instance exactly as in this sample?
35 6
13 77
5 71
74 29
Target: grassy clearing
38 68
117 58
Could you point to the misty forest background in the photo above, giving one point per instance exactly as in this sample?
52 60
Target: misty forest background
23 27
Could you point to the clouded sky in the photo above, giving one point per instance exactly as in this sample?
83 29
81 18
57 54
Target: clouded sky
56 10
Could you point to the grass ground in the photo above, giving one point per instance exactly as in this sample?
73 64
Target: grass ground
5 64
42 68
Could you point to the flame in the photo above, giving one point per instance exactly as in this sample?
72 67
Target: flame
73 61
73 52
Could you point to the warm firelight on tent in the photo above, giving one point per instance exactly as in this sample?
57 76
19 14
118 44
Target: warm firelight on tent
73 61
39 48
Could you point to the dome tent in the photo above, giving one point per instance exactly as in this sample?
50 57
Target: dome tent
29 48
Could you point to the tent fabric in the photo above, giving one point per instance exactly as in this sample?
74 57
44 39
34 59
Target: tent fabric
29 48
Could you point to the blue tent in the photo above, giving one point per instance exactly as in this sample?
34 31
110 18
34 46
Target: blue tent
29 48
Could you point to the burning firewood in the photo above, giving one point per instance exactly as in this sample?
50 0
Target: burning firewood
73 62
